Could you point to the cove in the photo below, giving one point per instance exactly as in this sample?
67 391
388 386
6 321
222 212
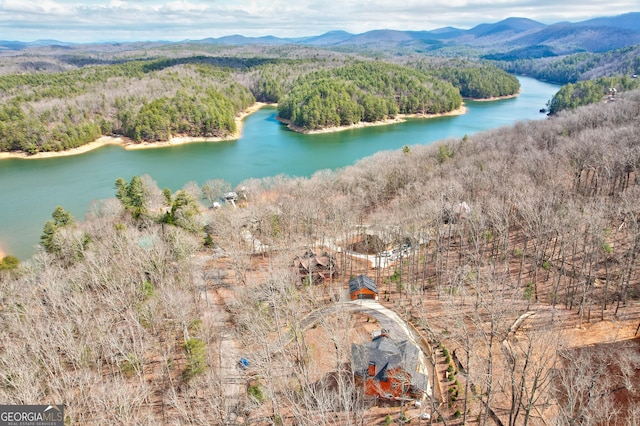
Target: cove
31 189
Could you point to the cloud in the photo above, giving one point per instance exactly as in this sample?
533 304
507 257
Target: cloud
116 20
37 7
182 6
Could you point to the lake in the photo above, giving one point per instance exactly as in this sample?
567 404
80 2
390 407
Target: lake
32 188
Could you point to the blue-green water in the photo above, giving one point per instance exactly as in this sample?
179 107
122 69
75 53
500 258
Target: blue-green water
31 189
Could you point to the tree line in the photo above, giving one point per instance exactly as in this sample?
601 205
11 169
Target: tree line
365 92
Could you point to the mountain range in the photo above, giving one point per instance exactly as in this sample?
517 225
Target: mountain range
521 37
507 39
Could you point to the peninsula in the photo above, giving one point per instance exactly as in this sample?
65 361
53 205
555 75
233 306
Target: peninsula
130 144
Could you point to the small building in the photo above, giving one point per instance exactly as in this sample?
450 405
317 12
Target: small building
230 197
362 287
390 370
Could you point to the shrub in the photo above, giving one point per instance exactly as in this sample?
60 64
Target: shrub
196 358
528 291
130 366
255 390
147 289
8 263
444 153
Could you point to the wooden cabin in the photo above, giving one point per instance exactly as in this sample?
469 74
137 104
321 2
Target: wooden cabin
314 268
362 287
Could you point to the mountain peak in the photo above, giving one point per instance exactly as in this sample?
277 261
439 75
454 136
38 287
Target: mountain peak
513 25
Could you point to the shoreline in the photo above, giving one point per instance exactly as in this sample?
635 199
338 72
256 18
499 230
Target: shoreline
180 140
129 144
495 98
400 118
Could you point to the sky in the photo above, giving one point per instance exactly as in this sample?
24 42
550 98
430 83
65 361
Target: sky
145 20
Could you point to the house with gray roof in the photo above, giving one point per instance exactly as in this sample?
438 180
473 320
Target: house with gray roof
389 369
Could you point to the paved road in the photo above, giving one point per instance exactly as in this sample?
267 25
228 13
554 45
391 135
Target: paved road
388 319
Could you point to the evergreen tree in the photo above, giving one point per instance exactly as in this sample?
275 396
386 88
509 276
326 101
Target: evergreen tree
61 218
132 195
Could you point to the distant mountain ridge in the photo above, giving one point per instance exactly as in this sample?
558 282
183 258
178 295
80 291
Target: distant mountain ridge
528 37
509 25
522 36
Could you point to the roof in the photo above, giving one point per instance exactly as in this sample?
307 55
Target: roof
388 354
360 282
230 195
321 267
315 262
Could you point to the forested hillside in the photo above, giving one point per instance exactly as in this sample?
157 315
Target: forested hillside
587 77
571 96
371 92
144 100
140 314
365 92
576 67
475 80
54 101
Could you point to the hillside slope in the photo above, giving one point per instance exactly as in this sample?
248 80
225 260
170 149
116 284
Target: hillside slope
120 318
